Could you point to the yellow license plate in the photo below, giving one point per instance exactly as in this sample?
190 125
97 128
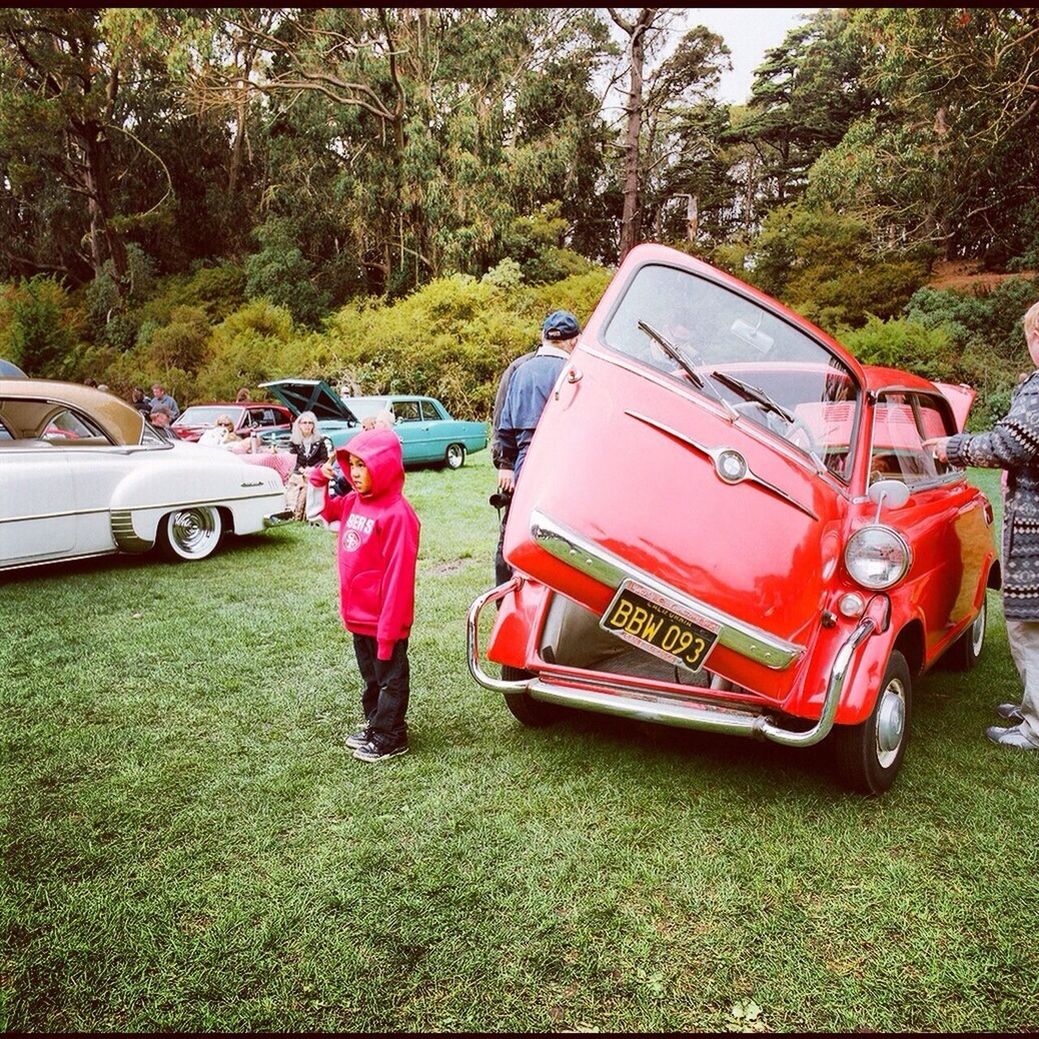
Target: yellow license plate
660 626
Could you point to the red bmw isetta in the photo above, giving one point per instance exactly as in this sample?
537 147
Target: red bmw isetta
725 522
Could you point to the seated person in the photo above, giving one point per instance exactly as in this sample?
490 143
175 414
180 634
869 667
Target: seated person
221 433
381 420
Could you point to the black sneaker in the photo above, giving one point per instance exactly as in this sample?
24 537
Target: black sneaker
377 749
359 738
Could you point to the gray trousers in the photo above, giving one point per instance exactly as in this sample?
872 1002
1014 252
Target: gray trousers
1024 648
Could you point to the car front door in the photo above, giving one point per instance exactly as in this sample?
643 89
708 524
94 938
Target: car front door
945 522
37 502
412 430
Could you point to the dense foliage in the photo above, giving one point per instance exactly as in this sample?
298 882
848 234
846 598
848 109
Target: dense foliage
220 196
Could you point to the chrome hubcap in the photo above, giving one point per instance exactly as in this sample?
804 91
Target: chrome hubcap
193 530
977 631
891 722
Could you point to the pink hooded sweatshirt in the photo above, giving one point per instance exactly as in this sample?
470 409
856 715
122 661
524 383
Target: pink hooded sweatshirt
377 542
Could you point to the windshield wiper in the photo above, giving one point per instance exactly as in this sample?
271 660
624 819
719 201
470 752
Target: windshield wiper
697 380
674 353
754 393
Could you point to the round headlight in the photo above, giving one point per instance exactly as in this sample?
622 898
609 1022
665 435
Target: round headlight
876 557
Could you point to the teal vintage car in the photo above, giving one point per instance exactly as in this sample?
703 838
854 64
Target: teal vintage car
428 434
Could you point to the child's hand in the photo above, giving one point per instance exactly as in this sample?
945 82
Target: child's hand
328 472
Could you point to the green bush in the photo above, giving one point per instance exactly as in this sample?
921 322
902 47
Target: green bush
280 272
903 343
38 332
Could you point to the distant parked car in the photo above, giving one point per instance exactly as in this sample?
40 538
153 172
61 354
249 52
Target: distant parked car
83 474
428 434
9 370
726 522
251 417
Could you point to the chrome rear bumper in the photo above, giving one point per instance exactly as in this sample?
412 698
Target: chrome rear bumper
608 696
275 519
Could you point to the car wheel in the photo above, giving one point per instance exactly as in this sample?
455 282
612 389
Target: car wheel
868 756
535 714
454 458
190 533
965 652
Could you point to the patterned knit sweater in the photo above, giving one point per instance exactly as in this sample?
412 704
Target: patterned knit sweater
1013 444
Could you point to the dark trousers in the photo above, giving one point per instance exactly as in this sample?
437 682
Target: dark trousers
502 570
386 686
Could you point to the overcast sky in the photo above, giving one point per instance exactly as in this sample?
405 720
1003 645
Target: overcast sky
748 32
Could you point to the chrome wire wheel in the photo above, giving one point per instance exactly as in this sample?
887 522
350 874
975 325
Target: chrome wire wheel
191 533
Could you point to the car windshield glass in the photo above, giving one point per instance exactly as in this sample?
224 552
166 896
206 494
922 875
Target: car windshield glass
206 415
762 367
362 407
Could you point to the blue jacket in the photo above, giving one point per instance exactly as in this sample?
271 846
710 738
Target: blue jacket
527 395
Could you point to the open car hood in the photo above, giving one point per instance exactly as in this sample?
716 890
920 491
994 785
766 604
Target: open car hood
315 395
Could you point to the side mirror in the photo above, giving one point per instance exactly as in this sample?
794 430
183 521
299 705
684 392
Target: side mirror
892 493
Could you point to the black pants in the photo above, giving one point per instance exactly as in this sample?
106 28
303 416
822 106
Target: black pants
502 570
386 687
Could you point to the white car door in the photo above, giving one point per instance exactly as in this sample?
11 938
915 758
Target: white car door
37 502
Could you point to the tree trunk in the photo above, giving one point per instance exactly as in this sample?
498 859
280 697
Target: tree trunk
95 185
630 213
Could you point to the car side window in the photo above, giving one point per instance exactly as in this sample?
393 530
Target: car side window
430 413
902 422
67 426
407 411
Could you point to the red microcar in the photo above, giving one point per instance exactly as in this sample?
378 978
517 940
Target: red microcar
725 522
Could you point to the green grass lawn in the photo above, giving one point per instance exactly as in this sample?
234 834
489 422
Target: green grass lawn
188 845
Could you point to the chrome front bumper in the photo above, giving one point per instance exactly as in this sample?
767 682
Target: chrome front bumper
609 569
608 696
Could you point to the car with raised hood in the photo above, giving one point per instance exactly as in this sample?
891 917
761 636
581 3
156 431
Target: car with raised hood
250 418
83 474
428 433
725 522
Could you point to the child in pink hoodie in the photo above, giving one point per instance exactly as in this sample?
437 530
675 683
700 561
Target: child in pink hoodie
377 551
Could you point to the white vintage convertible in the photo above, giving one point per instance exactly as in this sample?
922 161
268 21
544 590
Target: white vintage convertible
83 474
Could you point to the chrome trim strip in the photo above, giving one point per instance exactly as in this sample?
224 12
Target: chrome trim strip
53 515
609 569
146 508
472 641
125 536
666 710
4 567
713 454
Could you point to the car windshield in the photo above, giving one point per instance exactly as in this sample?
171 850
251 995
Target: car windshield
206 415
758 366
362 407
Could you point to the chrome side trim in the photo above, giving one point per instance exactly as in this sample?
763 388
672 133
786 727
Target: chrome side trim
53 515
609 569
125 536
714 454
472 641
667 710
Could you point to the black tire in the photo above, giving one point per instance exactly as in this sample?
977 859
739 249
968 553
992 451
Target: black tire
535 714
965 652
188 535
454 456
861 761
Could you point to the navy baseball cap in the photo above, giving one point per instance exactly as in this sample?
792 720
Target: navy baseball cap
560 324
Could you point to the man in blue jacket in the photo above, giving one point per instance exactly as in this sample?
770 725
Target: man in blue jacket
529 385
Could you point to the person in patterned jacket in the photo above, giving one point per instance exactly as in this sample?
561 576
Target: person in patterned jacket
1013 445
